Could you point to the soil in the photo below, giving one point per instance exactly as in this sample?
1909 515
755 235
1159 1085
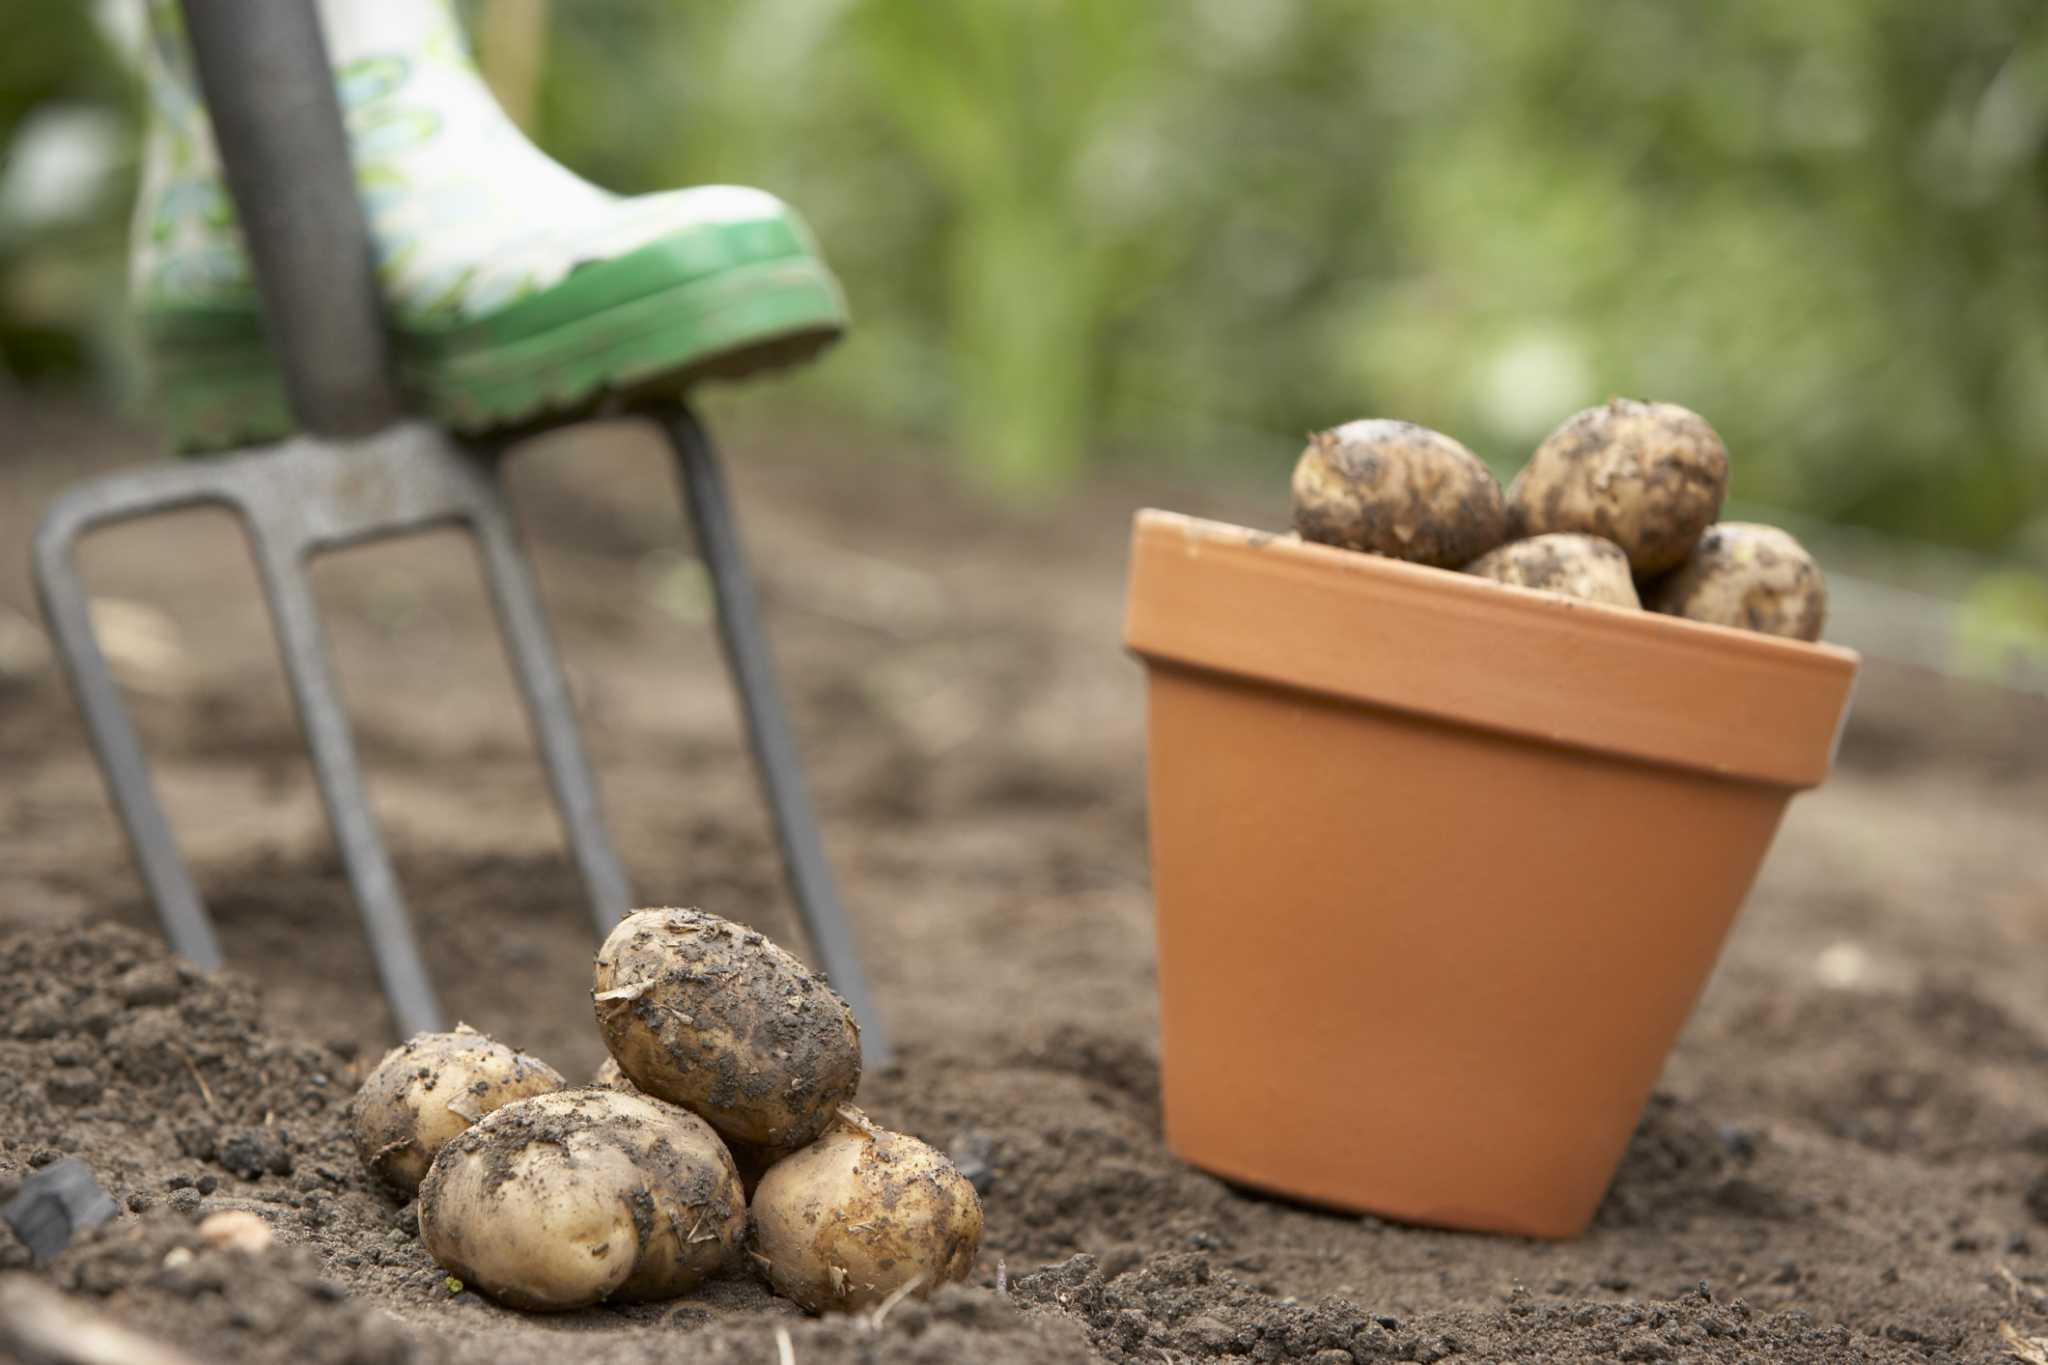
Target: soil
1847 1158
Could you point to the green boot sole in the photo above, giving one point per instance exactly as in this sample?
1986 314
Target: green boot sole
719 301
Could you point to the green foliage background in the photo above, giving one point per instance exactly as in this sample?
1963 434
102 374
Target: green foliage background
1084 229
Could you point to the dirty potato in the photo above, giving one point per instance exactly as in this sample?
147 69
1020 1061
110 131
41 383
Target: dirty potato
1647 476
1397 489
1750 576
710 1015
1574 566
583 1196
753 1162
428 1089
860 1214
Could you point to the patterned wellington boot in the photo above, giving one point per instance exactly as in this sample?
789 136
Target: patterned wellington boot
514 289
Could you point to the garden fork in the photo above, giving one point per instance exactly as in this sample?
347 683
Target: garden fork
359 473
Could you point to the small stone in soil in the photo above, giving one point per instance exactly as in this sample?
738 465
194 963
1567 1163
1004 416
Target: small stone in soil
56 1204
1738 1141
255 1152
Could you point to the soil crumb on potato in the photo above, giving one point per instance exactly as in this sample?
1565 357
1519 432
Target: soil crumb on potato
1397 489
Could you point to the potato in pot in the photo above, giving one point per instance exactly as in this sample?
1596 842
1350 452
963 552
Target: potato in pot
1648 476
1586 567
710 1015
583 1196
428 1089
1400 490
1750 576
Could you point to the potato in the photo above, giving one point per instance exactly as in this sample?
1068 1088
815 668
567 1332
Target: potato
583 1196
1574 566
710 1015
1750 576
1397 489
861 1214
1647 476
431 1087
753 1162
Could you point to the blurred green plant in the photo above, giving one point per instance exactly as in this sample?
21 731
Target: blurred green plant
67 115
1198 228
1207 225
2002 628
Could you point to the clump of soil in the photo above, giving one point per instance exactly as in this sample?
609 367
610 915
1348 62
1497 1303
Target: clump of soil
162 1080
1178 1308
154 1271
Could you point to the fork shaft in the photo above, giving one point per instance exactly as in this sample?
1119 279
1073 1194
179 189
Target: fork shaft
270 94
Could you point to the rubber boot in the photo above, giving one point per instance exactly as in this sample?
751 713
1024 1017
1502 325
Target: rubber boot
515 289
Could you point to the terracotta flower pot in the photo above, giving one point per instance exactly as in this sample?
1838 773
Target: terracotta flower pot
1441 865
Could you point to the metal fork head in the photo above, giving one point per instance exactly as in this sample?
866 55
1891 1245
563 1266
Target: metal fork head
295 501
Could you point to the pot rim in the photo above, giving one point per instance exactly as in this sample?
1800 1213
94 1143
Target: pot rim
1470 651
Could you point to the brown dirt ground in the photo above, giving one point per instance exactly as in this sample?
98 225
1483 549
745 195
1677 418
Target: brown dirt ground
1837 1167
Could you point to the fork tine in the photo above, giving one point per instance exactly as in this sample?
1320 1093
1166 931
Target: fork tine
752 667
538 669
303 646
123 767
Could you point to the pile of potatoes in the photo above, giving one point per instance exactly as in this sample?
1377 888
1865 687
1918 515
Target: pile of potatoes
1619 505
722 1129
